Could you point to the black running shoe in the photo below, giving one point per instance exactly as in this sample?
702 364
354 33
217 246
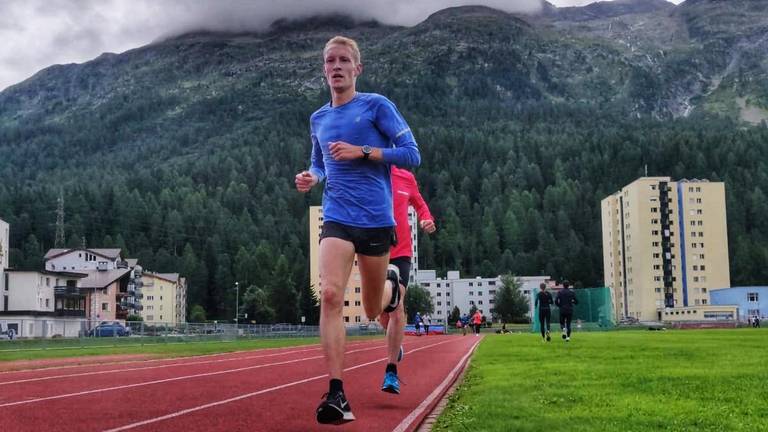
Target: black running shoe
334 409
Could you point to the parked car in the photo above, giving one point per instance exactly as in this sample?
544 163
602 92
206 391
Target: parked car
109 329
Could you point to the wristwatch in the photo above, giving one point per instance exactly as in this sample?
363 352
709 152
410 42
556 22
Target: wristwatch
367 151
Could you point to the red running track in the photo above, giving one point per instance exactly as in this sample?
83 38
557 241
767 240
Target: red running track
262 390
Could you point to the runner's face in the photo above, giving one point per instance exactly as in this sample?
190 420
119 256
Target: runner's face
340 69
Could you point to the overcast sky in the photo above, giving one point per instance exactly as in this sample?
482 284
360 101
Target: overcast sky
35 34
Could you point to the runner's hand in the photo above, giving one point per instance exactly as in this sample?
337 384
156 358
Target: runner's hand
305 180
342 151
428 226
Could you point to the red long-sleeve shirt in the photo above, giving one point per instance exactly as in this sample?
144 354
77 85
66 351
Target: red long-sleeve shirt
405 192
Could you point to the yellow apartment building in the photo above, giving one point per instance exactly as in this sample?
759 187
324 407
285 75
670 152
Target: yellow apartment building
165 298
353 297
665 245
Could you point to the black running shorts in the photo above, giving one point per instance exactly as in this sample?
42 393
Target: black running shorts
404 265
367 241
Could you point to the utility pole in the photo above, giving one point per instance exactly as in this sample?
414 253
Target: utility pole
59 239
237 301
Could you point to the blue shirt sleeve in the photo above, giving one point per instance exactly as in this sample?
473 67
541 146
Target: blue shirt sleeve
317 166
392 124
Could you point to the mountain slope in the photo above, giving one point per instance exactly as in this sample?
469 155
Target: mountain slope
183 151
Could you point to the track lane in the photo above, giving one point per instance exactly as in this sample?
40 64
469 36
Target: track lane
113 408
291 407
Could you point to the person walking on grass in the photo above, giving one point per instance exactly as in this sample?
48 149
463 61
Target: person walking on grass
405 193
565 300
543 302
477 321
355 138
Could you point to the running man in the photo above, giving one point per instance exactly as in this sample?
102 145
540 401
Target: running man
355 138
543 300
405 193
565 301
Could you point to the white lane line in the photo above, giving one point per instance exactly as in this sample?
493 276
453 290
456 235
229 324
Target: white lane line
22 371
83 365
146 383
256 393
154 367
403 426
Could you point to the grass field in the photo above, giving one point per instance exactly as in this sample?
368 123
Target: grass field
691 380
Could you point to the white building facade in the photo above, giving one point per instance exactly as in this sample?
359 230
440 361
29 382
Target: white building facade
454 291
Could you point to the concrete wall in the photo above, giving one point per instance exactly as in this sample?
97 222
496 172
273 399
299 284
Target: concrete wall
740 296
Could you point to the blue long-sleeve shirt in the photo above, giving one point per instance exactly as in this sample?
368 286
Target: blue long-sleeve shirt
359 192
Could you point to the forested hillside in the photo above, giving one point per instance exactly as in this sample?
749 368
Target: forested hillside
183 152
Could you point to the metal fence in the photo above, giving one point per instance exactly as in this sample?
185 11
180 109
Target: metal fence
35 334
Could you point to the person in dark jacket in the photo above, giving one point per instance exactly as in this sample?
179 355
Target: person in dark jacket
543 302
565 300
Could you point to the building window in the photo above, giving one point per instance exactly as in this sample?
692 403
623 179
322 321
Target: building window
471 293
357 290
105 307
471 284
346 302
752 297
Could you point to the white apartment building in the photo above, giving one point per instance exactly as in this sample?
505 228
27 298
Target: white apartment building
465 292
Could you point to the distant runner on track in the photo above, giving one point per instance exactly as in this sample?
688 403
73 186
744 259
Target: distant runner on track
355 138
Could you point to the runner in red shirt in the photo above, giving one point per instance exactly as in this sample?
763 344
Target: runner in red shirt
405 193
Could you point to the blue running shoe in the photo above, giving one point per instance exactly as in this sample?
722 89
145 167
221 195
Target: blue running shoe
391 383
400 354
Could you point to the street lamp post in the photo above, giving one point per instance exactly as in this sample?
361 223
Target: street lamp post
237 301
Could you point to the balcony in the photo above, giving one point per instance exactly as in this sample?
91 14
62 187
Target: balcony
73 313
67 291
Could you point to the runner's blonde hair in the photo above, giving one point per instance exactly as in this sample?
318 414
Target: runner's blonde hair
347 42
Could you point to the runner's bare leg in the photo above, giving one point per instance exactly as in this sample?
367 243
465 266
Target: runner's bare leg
336 258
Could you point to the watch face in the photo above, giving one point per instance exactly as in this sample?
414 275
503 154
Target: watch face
367 149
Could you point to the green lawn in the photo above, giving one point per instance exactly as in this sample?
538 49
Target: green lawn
690 380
